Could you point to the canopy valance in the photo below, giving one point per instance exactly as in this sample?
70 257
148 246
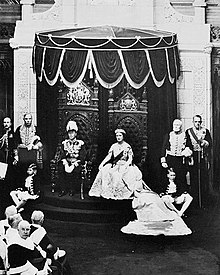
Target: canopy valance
111 52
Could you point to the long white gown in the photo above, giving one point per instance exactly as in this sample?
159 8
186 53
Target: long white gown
154 218
116 180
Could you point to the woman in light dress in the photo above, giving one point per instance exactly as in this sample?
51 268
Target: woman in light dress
118 178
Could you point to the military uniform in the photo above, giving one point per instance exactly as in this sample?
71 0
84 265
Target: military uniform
173 153
199 179
72 157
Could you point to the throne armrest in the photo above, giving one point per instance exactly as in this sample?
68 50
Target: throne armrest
143 158
90 162
54 171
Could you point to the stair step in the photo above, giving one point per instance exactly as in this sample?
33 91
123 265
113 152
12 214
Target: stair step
92 203
84 215
87 210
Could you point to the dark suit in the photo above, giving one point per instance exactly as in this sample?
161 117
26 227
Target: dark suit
7 155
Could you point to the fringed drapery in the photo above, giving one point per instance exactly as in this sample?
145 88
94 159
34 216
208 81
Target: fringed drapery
52 62
73 68
63 54
109 66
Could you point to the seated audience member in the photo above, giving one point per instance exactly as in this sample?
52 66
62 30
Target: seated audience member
12 231
118 176
23 257
40 237
3 257
172 197
4 225
31 190
73 154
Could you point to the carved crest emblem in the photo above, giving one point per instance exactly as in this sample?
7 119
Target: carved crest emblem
79 95
128 103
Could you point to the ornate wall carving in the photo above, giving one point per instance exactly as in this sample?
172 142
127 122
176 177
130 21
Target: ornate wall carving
197 65
80 104
7 30
23 95
79 95
130 113
215 34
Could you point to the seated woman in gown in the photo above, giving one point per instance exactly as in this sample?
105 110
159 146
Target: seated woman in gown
118 177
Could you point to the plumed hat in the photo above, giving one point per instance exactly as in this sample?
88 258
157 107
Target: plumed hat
120 131
71 125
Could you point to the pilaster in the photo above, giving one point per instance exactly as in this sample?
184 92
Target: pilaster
199 6
194 86
25 85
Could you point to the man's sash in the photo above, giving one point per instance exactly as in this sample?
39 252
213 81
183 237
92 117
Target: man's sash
195 137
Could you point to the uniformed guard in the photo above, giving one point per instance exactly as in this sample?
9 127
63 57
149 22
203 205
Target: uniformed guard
199 173
175 151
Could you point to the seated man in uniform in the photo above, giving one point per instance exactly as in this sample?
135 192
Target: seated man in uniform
72 157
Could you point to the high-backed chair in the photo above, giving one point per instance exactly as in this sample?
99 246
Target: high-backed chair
81 105
130 113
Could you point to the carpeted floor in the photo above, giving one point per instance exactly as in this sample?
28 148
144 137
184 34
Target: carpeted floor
101 249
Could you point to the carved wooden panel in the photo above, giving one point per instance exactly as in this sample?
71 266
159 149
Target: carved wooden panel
79 104
130 113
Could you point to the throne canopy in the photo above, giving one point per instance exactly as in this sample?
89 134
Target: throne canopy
109 52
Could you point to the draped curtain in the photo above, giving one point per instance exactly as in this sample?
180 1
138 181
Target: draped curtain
47 121
109 66
112 52
162 110
142 57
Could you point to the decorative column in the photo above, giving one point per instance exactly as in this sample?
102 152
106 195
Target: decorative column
24 78
209 117
200 6
27 9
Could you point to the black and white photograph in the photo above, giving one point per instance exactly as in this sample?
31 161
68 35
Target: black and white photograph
109 137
